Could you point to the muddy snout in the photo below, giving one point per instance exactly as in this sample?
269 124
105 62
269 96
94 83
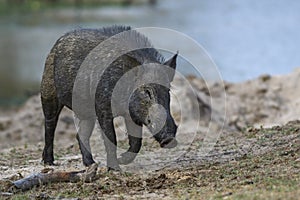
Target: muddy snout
168 143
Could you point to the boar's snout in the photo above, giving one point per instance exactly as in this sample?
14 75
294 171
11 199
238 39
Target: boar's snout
168 143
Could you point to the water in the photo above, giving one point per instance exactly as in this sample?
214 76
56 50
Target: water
245 38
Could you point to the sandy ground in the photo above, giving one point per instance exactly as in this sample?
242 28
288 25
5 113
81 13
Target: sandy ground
235 141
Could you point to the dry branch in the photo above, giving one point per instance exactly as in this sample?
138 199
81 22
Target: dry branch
41 178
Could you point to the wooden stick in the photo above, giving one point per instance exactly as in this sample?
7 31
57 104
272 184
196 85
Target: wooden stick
41 178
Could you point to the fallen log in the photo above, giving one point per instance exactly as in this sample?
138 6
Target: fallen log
50 176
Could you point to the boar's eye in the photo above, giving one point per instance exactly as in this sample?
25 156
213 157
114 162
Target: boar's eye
148 121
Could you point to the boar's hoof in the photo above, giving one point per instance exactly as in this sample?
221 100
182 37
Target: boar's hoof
88 162
50 163
168 143
114 168
126 158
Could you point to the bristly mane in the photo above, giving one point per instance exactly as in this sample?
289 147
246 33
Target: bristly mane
113 30
135 39
142 55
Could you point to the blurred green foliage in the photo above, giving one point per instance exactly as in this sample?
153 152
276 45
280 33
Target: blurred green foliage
17 6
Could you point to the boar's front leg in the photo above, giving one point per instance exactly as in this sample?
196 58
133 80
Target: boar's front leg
85 130
135 142
110 141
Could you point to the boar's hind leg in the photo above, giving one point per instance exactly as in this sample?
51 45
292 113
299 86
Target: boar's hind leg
51 111
135 142
85 130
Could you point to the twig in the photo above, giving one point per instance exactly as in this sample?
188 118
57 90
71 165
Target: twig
41 178
6 194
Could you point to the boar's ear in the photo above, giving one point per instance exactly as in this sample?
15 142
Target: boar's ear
172 63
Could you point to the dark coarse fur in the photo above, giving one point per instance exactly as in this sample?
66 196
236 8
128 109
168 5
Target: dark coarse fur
61 68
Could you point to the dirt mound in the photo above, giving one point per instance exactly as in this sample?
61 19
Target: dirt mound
265 101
